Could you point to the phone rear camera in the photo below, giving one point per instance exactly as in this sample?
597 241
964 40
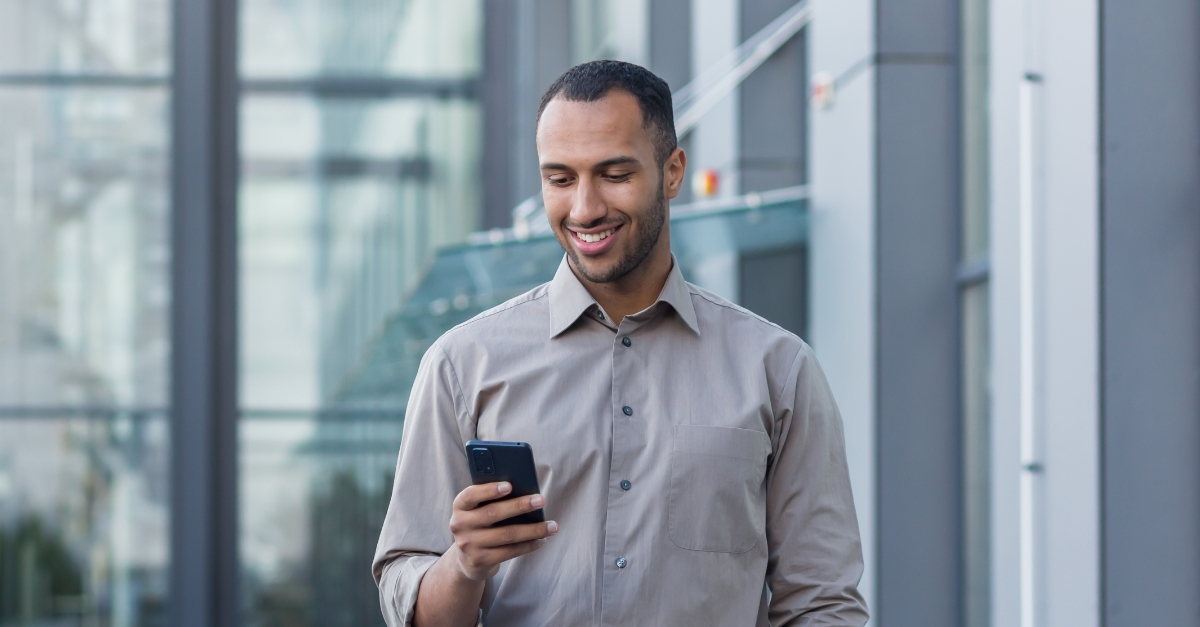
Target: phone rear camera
484 464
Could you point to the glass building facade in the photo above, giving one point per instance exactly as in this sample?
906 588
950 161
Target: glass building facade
359 152
360 158
980 227
84 295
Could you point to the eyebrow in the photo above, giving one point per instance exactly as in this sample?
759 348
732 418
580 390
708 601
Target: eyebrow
607 163
616 161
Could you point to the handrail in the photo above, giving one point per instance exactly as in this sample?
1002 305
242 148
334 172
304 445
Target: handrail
743 60
699 96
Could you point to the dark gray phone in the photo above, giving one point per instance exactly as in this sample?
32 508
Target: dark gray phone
506 461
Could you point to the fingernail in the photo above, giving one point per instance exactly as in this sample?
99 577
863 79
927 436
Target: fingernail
552 527
541 543
504 487
536 501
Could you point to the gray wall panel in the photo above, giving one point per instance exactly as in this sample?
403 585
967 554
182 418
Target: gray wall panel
671 41
917 26
1151 311
918 346
526 46
774 107
774 285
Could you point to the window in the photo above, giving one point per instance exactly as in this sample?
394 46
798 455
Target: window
359 149
84 307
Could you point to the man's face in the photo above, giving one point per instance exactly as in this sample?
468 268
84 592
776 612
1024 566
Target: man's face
605 195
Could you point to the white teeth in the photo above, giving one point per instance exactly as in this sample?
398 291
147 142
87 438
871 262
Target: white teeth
592 238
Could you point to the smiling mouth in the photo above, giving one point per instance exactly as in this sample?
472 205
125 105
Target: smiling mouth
592 238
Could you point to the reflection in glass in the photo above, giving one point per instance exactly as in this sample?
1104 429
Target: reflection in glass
84 345
123 37
343 204
83 517
361 38
610 29
344 201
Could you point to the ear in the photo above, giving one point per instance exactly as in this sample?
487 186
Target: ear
673 171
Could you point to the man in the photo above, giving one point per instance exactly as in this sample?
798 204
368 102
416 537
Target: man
690 454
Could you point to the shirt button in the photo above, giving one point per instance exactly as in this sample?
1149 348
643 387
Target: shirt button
628 410
600 315
625 485
626 342
621 562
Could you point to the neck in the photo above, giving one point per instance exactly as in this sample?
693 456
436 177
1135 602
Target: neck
638 289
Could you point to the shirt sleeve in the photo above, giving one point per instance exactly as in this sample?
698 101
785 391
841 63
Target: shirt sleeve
815 555
430 472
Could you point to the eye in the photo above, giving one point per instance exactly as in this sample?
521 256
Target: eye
618 177
559 180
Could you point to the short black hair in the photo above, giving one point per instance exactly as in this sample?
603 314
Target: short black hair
591 81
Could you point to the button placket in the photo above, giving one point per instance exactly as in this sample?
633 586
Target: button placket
621 581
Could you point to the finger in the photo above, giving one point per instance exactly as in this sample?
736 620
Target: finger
493 513
504 553
496 537
472 496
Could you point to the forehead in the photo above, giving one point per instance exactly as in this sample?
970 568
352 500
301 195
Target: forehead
612 124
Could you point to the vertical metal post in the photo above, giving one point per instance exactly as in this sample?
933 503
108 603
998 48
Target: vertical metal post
204 564
918 340
1030 366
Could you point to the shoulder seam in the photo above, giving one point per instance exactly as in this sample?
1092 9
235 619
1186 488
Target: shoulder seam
744 311
457 384
511 305
793 372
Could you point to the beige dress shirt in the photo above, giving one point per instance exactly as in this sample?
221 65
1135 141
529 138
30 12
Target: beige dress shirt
693 457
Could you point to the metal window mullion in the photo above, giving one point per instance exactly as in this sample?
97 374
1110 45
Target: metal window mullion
203 572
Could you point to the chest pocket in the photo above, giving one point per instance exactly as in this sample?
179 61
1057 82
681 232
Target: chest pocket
717 501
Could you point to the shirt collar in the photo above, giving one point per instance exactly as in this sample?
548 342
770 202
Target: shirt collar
569 299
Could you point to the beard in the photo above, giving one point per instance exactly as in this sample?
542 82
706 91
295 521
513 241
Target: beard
636 251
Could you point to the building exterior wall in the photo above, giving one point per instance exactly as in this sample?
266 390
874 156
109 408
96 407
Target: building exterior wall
1150 299
773 103
714 144
1045 155
917 242
842 311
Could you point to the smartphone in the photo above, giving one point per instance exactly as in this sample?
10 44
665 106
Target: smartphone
506 461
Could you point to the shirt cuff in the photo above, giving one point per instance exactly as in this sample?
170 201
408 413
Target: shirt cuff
398 587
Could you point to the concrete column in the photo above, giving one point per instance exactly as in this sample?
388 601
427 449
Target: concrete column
1150 299
841 149
714 143
1045 312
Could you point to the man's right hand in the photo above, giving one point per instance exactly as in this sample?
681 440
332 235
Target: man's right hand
479 548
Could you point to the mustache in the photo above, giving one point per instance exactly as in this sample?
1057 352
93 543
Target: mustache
591 225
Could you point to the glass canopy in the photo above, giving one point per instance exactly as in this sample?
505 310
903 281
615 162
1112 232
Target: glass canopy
749 251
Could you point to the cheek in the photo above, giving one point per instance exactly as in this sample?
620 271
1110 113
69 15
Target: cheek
557 203
632 200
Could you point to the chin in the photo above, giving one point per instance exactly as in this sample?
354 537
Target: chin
594 269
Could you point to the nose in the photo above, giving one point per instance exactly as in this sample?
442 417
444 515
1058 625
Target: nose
587 206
